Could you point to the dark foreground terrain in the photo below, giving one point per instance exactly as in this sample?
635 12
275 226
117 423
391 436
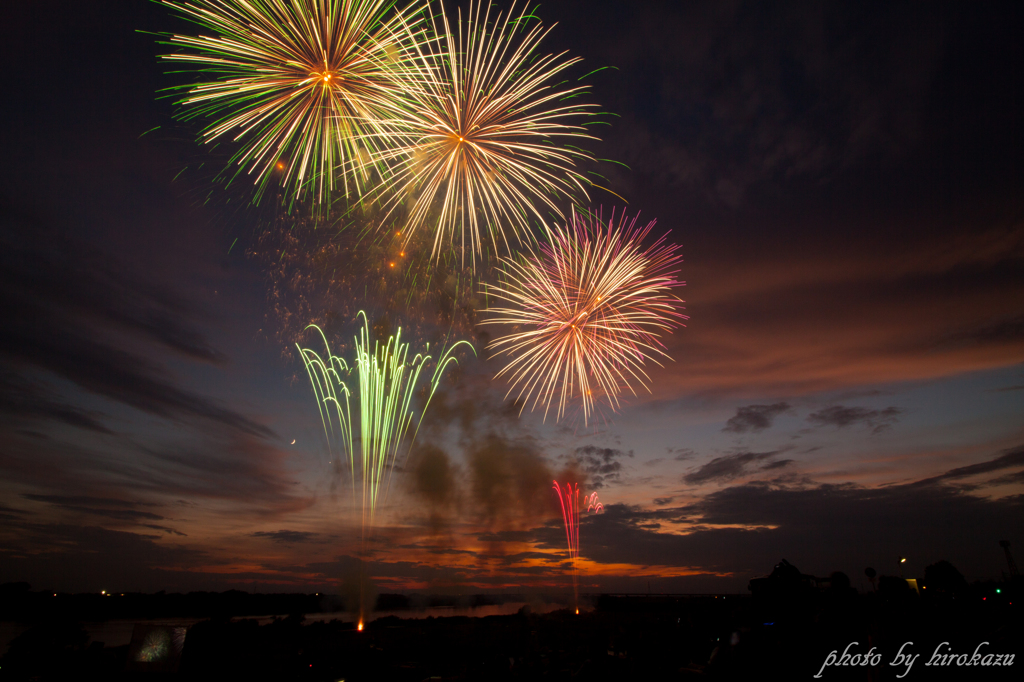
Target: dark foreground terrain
782 631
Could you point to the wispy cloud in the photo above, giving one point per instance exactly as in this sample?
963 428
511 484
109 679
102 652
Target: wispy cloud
732 466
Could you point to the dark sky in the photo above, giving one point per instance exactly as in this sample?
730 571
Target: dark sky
844 180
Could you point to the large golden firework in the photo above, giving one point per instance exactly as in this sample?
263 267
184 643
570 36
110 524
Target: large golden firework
484 141
302 86
586 312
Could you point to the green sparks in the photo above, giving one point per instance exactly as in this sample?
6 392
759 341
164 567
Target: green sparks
385 384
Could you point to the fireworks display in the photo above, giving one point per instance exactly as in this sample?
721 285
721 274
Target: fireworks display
485 134
300 85
415 133
587 312
386 381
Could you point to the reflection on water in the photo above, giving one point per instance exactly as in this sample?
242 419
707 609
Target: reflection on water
119 632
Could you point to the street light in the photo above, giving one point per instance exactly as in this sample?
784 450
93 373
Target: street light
903 560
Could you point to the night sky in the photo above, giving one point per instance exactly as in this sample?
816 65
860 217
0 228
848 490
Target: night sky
844 179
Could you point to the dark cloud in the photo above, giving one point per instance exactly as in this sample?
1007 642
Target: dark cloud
731 466
1008 479
98 506
755 417
602 465
777 464
113 373
11 514
84 558
58 329
82 501
662 501
743 530
169 531
228 466
841 417
288 537
1013 457
25 399
51 273
1010 329
720 99
684 454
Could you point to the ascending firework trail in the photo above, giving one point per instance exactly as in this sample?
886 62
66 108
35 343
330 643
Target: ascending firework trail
569 499
385 383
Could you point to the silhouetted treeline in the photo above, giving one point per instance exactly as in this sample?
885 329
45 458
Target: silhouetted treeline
19 603
785 629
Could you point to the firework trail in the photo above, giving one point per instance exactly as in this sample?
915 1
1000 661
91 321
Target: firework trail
569 499
386 383
587 311
300 85
485 133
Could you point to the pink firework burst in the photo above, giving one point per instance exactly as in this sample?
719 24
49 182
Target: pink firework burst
587 311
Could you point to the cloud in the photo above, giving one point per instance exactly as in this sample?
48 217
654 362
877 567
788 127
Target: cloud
802 322
684 454
778 464
231 466
745 529
662 501
755 417
288 537
1014 457
169 531
25 399
841 417
731 466
98 506
60 303
602 465
53 273
101 559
